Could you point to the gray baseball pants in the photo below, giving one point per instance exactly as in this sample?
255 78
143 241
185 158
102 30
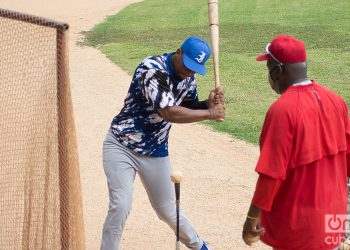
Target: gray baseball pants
120 166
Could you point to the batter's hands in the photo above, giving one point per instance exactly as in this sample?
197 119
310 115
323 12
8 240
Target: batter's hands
216 104
252 231
219 96
217 112
216 96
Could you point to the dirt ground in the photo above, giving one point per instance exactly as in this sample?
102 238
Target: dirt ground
218 170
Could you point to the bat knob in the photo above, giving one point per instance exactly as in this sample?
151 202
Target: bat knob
176 177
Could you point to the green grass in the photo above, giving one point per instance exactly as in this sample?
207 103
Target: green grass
156 26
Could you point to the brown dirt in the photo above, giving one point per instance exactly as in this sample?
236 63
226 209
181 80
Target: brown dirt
218 170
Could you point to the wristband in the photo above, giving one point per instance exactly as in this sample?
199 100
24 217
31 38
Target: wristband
252 218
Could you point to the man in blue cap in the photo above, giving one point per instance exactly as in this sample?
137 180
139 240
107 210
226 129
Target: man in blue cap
163 91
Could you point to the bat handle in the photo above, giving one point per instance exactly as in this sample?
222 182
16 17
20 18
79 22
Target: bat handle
176 178
177 194
217 81
177 191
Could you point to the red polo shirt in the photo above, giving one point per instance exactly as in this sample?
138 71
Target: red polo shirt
303 168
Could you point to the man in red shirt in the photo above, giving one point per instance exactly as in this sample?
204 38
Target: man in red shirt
300 201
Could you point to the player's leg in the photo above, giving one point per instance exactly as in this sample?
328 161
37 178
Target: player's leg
120 171
155 173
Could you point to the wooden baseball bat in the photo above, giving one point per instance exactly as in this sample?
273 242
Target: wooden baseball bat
176 177
213 13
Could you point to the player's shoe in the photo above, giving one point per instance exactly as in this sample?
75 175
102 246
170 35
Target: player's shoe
205 246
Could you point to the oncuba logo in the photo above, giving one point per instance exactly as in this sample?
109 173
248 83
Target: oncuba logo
200 57
336 226
336 223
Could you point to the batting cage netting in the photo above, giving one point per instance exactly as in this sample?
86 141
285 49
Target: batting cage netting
40 200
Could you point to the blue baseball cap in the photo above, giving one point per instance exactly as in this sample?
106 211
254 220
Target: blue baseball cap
195 53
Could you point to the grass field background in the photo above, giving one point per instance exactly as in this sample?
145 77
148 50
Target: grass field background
154 27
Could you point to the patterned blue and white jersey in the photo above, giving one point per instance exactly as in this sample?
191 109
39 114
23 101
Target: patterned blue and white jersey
154 86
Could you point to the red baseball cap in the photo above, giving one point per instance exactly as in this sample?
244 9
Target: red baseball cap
284 49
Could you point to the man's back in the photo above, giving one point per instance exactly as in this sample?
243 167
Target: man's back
318 118
309 148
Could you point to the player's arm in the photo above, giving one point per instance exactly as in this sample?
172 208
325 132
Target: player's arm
251 228
276 142
348 155
216 96
195 104
213 106
178 114
155 87
265 192
347 128
347 134
193 110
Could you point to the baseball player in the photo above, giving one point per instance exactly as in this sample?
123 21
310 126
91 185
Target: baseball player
301 191
163 91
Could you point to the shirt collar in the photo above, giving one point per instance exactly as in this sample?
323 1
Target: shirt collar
172 73
302 83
